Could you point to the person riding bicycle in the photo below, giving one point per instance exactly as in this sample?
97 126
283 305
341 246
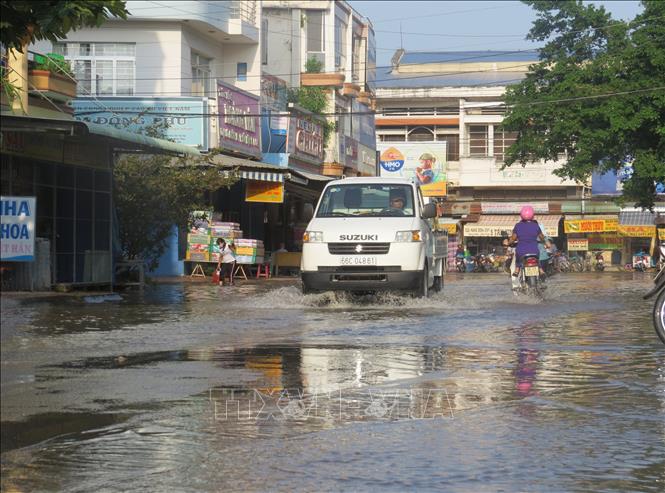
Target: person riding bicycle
526 234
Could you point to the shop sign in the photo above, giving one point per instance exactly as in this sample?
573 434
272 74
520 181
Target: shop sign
182 119
590 225
264 191
637 231
422 162
661 234
349 152
450 227
605 242
239 128
578 244
497 231
366 160
273 93
461 209
513 207
305 139
17 228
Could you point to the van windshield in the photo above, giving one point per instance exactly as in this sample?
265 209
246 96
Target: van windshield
367 199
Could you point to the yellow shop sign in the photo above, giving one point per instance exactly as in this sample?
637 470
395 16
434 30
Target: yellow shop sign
590 225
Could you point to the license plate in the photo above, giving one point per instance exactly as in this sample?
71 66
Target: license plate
357 260
531 271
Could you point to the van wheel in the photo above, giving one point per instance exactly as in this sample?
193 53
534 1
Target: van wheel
423 286
437 287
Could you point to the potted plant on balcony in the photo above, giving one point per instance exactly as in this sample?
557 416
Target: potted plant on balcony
52 75
314 77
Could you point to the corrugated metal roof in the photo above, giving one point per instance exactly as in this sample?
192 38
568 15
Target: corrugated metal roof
388 80
469 56
637 218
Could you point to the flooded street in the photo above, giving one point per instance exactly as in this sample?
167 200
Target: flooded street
193 387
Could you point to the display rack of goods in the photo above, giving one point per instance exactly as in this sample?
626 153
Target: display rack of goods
249 251
229 231
198 252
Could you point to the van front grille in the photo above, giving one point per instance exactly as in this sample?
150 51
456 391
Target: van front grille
358 248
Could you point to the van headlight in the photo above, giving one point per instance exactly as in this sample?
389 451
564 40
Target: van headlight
407 236
312 237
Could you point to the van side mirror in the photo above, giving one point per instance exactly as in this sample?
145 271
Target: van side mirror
429 211
307 212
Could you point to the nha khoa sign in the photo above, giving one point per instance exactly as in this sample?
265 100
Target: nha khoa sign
17 228
239 128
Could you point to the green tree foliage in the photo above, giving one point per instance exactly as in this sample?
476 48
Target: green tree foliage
597 95
153 192
26 21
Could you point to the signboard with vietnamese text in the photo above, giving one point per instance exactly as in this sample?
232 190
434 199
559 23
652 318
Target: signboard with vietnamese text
239 128
605 242
422 162
264 191
305 138
637 231
578 244
182 117
17 228
513 207
590 225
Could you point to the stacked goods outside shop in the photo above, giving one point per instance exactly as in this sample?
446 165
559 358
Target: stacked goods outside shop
249 251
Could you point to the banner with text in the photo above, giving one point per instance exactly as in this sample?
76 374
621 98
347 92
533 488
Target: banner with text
590 225
17 228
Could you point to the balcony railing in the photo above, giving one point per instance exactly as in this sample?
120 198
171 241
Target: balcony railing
244 10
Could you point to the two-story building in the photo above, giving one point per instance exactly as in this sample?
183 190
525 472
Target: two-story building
449 105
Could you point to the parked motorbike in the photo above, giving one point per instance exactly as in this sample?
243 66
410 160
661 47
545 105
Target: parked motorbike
459 264
529 277
658 313
599 266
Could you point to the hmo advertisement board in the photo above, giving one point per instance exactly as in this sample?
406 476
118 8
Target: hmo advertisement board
17 228
424 163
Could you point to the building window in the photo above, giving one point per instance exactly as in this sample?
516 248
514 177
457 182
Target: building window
101 69
241 73
452 145
264 41
391 138
421 134
340 43
502 141
201 75
355 55
315 34
478 139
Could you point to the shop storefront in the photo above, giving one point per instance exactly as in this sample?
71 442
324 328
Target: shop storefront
638 232
594 233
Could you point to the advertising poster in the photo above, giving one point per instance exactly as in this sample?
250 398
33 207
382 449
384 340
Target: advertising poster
264 191
424 163
590 225
17 228
182 117
578 244
239 123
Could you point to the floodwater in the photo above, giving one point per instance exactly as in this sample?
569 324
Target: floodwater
193 387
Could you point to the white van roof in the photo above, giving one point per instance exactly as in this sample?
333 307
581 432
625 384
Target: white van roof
371 180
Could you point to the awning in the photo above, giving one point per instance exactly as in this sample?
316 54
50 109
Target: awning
312 176
119 140
262 176
637 218
498 226
637 224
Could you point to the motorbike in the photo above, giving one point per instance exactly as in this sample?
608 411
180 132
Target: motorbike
599 266
658 312
640 263
530 282
459 264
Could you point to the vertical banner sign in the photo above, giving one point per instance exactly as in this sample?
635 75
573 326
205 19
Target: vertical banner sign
17 228
239 128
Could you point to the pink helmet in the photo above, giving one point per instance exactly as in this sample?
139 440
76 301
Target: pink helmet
527 213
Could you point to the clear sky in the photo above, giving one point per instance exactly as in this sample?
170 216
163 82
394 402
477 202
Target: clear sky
458 25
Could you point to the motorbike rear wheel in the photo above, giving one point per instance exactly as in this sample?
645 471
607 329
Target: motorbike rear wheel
659 316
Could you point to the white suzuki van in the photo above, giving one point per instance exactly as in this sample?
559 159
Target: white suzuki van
373 234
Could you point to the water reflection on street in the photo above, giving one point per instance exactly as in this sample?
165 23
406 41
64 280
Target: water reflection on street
195 387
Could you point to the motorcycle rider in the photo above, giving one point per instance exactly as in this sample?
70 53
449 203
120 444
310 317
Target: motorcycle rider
526 234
